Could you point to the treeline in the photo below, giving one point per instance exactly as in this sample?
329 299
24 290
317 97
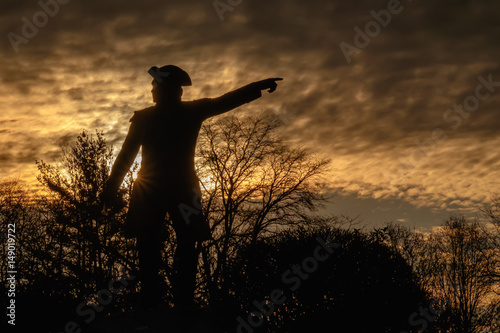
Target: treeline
270 266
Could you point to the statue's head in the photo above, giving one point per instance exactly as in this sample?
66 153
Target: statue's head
168 82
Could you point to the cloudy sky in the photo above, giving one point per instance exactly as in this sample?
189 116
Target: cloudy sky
403 96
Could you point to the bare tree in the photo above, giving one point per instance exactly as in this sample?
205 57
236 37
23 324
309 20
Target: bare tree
24 222
493 230
460 275
255 184
413 246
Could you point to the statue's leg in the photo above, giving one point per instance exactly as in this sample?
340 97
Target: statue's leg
149 247
185 257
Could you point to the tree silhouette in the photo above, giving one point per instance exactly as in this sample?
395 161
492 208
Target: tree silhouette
493 231
412 245
460 274
89 243
363 286
76 250
254 184
261 196
453 264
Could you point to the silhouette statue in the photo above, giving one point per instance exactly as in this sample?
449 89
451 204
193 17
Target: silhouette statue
167 181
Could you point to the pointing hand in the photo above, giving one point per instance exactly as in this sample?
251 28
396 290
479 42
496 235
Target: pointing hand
269 84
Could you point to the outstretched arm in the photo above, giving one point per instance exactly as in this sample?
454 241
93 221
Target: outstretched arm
235 98
122 164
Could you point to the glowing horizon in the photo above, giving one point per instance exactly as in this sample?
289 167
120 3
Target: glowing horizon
87 69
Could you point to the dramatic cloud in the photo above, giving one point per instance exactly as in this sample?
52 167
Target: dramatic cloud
383 111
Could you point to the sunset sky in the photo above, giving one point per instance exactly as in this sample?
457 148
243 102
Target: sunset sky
404 110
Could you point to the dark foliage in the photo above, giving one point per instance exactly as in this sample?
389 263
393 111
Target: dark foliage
363 285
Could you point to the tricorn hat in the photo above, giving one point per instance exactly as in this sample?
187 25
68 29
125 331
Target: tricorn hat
170 74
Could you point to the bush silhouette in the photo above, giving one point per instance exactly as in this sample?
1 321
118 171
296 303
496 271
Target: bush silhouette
363 285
